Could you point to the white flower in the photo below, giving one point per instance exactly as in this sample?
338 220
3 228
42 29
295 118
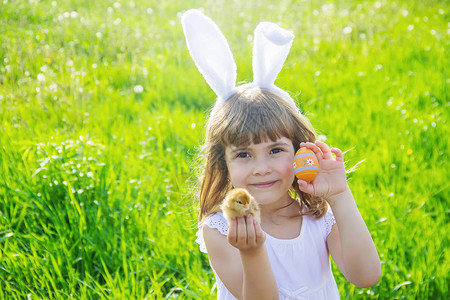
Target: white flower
138 89
310 162
53 87
347 30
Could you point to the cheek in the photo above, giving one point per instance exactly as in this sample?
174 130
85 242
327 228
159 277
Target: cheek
235 174
288 168
290 175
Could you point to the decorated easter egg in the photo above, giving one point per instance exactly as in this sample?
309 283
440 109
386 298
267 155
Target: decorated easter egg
306 166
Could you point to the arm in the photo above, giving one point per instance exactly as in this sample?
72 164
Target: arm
349 243
241 259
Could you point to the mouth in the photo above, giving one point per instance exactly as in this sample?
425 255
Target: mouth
264 184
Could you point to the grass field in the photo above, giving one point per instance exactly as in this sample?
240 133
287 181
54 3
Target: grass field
102 111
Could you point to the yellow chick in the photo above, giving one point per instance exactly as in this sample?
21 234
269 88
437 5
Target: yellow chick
238 202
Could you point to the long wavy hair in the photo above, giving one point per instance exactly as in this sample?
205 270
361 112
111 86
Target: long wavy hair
252 115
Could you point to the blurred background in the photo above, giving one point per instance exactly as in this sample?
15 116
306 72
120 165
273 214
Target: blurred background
102 113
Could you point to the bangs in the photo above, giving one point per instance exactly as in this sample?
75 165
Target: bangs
261 117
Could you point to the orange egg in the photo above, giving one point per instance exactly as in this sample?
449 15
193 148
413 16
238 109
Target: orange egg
306 165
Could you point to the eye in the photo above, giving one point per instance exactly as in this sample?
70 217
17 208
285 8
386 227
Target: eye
276 150
243 155
239 201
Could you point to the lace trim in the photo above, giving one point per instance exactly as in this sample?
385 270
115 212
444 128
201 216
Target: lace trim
329 222
217 221
214 221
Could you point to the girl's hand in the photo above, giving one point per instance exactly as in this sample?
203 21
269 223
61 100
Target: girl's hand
332 179
245 233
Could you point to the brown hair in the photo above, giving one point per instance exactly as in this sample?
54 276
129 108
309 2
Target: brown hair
251 115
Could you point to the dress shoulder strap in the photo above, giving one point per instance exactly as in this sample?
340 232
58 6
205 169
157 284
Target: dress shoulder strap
329 221
214 221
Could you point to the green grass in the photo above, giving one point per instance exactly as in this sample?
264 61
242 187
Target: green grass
96 177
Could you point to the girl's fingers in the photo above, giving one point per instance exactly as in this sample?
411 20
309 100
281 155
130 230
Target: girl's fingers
241 231
325 150
259 234
232 231
305 187
314 148
250 230
338 153
245 233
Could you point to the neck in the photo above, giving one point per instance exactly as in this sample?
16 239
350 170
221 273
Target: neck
285 207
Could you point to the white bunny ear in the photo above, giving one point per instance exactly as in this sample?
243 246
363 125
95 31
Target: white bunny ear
210 51
271 47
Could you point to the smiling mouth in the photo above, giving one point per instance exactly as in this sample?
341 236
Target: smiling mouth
264 185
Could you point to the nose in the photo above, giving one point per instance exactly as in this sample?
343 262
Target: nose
262 167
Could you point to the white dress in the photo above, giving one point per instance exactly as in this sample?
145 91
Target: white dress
301 265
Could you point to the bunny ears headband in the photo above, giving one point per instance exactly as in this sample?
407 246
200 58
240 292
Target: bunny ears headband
212 56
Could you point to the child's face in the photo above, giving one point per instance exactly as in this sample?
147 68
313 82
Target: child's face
264 169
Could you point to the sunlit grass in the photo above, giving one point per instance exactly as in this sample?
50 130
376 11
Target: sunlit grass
102 111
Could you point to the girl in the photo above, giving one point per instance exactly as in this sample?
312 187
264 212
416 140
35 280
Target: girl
252 135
